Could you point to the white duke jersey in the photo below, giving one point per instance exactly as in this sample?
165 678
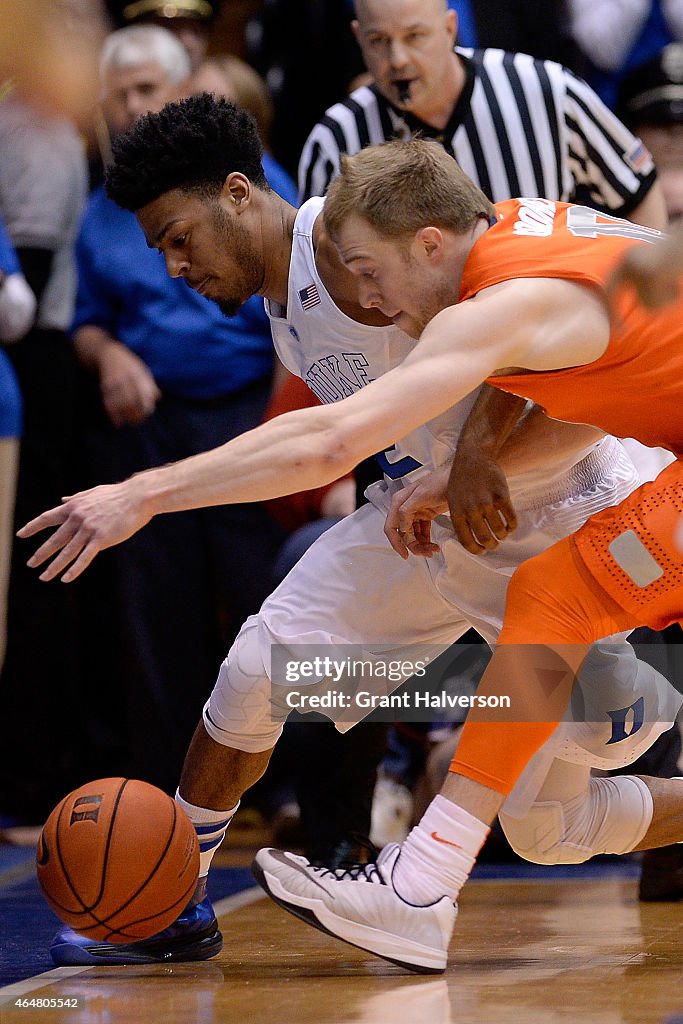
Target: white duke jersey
337 356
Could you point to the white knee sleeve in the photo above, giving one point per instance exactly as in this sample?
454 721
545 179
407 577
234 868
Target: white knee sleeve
611 816
239 713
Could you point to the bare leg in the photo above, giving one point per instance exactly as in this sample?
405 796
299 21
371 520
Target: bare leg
666 826
538 678
215 776
479 801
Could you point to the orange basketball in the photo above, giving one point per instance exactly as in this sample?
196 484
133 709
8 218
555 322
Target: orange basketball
118 860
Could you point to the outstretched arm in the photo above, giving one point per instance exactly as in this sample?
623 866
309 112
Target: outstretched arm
310 447
654 270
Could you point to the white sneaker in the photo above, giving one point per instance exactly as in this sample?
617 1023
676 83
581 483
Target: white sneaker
361 906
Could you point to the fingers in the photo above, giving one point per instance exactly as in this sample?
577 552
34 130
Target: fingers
54 543
82 562
397 542
127 414
483 529
407 534
391 528
67 543
408 524
77 548
52 517
422 543
65 556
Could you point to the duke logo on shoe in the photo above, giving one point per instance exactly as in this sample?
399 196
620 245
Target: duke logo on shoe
361 906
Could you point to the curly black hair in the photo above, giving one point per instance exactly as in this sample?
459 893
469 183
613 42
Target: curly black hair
191 145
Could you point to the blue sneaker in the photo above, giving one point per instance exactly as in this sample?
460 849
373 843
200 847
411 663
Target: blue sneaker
192 936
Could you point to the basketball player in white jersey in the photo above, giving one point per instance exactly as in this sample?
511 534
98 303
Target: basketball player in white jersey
192 174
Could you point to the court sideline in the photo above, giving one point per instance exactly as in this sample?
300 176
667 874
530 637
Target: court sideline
539 946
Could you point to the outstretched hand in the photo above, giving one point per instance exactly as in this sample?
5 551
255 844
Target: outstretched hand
653 270
86 523
479 502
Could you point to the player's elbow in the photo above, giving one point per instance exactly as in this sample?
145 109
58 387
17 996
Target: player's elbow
338 452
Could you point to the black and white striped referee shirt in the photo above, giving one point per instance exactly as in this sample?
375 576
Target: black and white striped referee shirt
521 127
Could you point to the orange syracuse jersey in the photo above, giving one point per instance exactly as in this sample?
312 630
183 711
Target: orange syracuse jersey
635 389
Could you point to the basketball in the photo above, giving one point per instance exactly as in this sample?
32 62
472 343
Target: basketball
118 860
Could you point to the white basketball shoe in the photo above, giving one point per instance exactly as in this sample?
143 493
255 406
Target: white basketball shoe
361 906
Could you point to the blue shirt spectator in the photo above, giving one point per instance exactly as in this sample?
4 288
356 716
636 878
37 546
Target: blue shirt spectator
279 180
616 41
467 31
10 396
9 263
191 348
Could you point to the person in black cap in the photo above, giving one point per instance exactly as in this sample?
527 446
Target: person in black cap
651 99
187 19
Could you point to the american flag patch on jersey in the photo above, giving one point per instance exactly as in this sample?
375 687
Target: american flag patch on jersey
309 297
639 158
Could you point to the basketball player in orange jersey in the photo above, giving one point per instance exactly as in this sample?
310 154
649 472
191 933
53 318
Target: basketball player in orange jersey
410 227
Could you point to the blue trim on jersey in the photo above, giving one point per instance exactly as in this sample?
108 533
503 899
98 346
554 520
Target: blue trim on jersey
395 470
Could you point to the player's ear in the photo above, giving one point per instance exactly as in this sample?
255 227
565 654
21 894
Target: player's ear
236 190
451 24
430 241
355 28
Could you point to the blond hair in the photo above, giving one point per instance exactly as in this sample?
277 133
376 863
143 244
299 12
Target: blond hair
400 187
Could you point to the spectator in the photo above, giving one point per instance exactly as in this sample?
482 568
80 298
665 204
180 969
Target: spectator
538 27
17 310
299 42
231 77
619 35
189 20
48 49
172 376
651 103
42 190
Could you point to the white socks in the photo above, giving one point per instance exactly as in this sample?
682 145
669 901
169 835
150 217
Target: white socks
211 826
438 855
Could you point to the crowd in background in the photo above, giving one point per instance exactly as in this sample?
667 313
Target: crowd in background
107 367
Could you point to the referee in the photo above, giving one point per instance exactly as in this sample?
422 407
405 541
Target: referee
518 127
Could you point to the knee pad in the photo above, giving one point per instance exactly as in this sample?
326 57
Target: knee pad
612 816
239 712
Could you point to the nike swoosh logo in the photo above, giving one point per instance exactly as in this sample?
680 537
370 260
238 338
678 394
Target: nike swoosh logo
284 859
446 841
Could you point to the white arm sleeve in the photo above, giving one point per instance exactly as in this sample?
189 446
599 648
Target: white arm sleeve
17 308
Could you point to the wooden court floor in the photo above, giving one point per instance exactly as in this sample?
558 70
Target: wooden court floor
540 952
